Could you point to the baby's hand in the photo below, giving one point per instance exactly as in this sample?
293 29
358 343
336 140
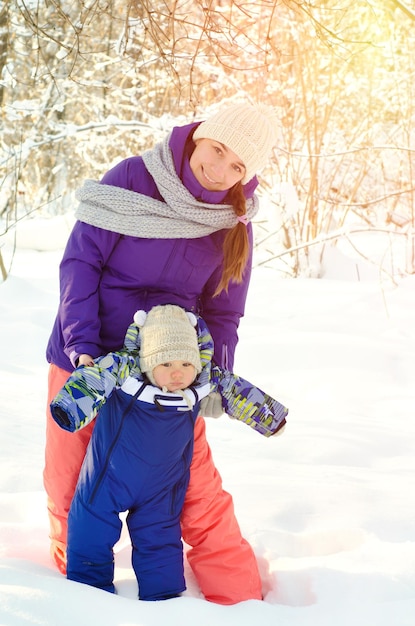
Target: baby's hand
279 432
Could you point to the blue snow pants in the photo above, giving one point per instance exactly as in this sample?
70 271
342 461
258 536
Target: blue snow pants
138 460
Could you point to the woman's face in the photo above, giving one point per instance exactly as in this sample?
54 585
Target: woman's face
214 166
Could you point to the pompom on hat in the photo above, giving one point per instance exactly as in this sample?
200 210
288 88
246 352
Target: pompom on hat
249 130
167 333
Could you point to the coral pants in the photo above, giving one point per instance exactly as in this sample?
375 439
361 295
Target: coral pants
221 559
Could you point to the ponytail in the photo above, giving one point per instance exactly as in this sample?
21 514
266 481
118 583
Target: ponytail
236 244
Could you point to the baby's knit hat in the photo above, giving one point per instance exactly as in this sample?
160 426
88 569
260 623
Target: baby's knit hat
167 333
249 130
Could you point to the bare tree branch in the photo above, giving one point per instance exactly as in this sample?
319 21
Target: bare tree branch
404 8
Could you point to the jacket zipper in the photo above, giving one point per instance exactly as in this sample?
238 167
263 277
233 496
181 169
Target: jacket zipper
225 357
175 489
111 448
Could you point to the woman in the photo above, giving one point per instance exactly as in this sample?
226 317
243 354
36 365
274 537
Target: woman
169 227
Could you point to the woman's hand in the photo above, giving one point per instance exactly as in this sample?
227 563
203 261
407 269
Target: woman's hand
85 359
211 405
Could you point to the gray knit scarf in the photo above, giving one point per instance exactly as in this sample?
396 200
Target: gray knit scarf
131 213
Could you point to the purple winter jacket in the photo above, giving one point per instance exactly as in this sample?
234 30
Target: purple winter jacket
106 277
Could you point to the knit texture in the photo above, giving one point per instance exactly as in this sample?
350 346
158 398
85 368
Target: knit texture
249 130
180 216
167 335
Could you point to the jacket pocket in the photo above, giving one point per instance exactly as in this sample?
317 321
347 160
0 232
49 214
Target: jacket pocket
188 266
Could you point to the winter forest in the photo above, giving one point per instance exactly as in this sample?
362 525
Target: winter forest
328 507
86 83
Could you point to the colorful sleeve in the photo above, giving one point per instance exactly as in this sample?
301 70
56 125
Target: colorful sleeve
243 401
88 388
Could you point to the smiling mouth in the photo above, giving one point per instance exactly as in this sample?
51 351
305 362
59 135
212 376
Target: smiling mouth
210 180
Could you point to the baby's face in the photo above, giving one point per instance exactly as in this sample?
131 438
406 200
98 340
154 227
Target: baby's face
174 375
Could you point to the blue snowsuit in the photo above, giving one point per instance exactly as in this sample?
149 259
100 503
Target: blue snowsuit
138 460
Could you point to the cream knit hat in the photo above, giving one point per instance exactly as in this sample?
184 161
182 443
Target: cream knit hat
249 130
167 334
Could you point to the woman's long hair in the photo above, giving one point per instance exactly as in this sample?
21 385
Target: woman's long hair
236 244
